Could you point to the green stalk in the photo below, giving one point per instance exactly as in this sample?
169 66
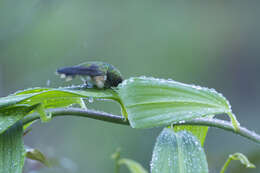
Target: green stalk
242 131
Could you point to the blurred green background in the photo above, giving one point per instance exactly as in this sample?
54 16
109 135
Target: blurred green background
213 44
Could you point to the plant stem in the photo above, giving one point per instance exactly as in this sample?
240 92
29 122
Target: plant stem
117 167
87 113
223 169
116 157
242 131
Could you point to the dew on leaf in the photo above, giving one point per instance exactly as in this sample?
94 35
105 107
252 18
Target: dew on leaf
90 99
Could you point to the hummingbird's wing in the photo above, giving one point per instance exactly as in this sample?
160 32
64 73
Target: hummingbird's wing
92 70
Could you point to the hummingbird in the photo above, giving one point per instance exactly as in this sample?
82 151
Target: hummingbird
96 74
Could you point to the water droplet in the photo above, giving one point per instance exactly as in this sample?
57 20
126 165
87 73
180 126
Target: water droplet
181 122
131 80
90 100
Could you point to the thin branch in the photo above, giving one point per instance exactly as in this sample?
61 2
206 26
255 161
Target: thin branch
242 131
87 113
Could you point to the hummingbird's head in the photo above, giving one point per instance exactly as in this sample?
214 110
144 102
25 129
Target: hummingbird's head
114 77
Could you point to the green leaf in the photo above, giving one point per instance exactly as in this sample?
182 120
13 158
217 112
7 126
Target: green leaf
12 150
151 102
237 156
10 116
31 91
199 131
46 98
178 152
243 159
16 106
53 98
133 166
35 154
11 100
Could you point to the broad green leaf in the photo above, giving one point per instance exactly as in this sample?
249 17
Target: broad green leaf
179 152
11 100
133 166
53 98
237 156
199 131
35 154
31 91
12 151
10 116
151 102
14 107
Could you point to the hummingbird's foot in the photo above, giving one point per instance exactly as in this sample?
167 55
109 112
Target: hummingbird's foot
99 81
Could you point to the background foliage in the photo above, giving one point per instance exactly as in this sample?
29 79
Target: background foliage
206 43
